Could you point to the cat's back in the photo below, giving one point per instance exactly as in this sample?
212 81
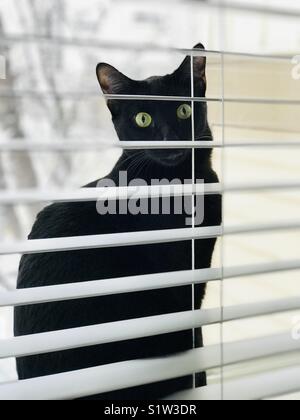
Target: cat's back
76 220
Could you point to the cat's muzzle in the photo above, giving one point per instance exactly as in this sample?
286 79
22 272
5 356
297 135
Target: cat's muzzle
169 157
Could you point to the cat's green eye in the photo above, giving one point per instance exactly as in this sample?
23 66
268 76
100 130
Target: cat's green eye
143 120
184 112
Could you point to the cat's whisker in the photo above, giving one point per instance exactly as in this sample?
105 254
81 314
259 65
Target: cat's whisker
148 166
132 155
140 166
135 163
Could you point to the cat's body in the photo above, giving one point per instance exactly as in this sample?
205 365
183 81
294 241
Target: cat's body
80 219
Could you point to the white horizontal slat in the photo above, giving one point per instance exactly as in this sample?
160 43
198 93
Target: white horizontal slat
67 145
256 8
106 333
32 196
262 228
278 101
103 194
38 246
261 186
257 269
232 313
111 45
132 284
137 328
250 388
102 379
246 350
81 95
92 43
110 240
245 7
108 287
75 146
37 146
139 372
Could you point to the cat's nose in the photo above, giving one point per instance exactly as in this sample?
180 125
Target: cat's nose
169 135
171 138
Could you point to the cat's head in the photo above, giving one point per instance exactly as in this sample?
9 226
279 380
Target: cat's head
163 120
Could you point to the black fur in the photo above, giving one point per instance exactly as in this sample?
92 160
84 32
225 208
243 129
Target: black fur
78 219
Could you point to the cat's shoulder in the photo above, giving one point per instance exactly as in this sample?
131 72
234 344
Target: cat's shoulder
65 219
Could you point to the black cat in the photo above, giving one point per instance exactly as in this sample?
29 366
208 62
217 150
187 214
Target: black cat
133 120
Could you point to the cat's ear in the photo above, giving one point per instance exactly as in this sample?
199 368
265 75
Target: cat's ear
200 64
199 69
111 80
